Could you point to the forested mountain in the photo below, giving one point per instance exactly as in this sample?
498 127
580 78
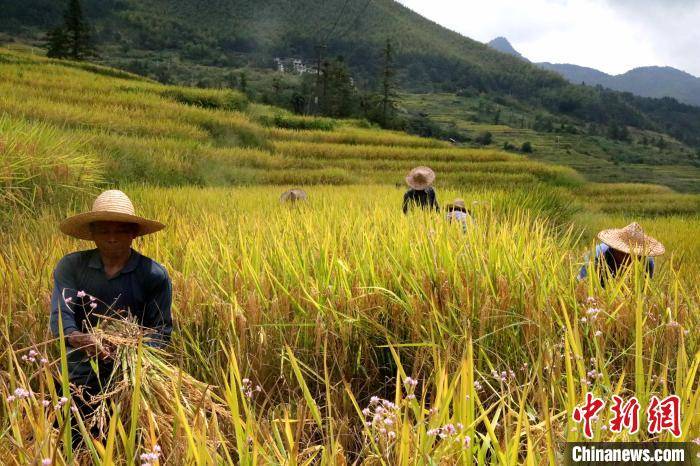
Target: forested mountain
646 81
167 39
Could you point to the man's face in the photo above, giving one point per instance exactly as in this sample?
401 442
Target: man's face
620 257
113 237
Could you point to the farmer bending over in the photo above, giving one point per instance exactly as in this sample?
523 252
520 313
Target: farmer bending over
617 248
111 280
421 193
458 213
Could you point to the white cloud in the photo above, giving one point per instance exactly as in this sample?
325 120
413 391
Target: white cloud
611 35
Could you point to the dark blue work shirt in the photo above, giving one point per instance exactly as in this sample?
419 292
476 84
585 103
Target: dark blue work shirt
423 198
142 288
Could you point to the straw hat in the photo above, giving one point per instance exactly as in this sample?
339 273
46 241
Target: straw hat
293 195
110 206
457 204
632 240
420 178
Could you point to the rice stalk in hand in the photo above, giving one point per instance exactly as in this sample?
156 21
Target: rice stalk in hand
161 387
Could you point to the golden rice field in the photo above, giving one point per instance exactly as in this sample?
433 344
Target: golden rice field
477 345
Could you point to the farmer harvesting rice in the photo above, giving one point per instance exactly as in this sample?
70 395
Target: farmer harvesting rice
617 249
293 195
110 280
421 193
457 212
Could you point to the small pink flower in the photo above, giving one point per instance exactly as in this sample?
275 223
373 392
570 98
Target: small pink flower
74 409
92 298
598 333
46 462
81 294
10 398
467 441
93 305
411 397
68 300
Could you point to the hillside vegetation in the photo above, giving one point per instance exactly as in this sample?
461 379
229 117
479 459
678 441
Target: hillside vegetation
641 156
127 129
182 41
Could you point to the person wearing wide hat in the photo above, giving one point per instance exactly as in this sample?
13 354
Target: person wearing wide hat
293 195
420 193
457 212
110 280
617 248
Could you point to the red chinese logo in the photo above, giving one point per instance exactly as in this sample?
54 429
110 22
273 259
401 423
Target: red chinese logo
662 415
665 415
626 415
588 412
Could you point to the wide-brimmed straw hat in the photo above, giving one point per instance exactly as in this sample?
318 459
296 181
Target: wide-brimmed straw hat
110 206
293 195
632 240
420 178
457 204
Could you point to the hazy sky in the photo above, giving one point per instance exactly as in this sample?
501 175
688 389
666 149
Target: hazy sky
610 35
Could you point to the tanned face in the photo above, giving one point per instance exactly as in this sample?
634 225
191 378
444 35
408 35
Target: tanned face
620 257
113 238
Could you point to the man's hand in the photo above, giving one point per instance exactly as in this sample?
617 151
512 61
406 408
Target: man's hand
89 344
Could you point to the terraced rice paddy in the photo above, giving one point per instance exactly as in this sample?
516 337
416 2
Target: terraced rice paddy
478 346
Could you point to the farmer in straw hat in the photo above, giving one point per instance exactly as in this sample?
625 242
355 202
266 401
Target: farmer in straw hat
421 193
457 212
293 195
617 248
112 279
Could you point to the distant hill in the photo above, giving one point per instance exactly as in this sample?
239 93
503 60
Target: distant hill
648 81
503 45
202 42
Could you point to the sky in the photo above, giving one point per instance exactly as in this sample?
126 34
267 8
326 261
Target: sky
613 36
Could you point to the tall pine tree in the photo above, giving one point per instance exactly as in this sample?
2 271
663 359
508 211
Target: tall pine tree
388 85
72 40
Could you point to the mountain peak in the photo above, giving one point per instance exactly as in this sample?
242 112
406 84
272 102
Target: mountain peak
503 45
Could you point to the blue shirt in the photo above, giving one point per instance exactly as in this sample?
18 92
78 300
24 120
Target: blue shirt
603 254
142 288
462 217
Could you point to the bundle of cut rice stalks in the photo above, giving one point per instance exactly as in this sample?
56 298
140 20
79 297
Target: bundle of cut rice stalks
161 399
